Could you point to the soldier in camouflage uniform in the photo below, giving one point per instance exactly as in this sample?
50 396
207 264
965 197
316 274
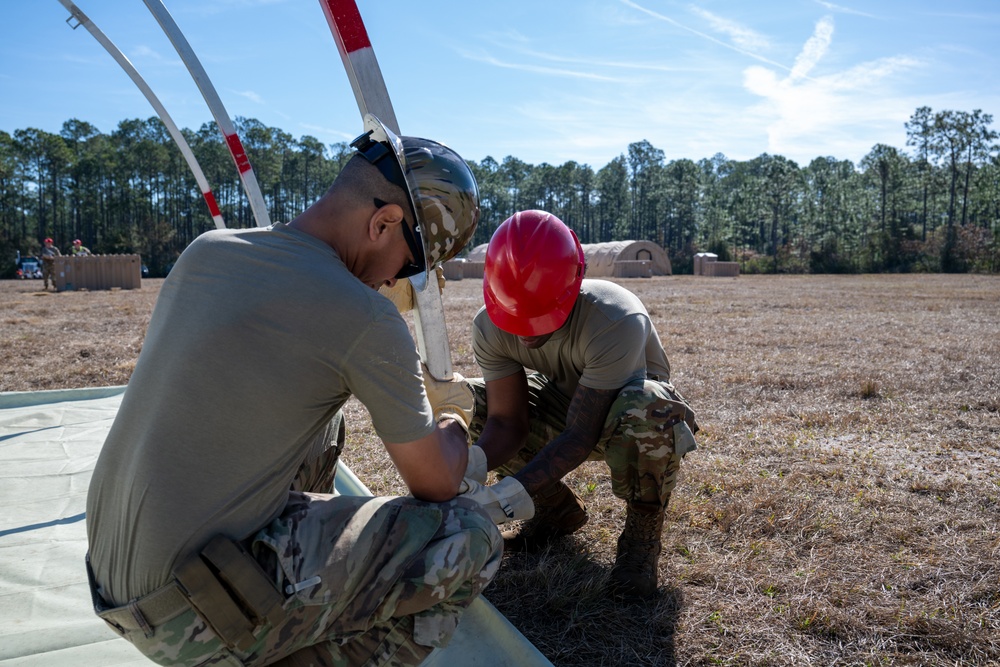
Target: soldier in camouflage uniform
48 257
215 533
600 390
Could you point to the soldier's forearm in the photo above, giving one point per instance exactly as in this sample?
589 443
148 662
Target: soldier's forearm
500 441
584 422
560 457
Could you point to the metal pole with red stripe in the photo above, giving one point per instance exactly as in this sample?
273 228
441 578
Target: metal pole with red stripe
126 64
218 110
372 96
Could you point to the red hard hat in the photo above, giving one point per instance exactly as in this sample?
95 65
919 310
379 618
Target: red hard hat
49 241
77 242
534 267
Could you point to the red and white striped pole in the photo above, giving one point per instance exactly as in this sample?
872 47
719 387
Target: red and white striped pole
126 64
372 96
218 110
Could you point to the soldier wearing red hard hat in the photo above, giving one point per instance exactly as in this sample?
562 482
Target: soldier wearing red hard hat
573 370
48 257
79 250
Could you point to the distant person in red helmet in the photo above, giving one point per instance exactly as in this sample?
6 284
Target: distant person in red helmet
48 257
573 370
79 250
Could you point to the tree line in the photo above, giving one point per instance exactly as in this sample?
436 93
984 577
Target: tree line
934 207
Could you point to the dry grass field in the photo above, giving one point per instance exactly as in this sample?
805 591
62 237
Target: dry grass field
841 508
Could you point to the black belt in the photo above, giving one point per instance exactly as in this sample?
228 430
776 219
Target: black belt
163 604
224 585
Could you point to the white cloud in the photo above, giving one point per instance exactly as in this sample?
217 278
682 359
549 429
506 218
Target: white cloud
250 95
590 62
537 69
741 36
814 50
710 38
143 51
329 132
843 10
840 108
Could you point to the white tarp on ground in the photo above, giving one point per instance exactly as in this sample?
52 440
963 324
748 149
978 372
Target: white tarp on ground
49 442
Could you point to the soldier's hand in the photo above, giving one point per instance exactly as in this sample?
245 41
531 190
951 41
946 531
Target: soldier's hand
504 501
401 294
452 397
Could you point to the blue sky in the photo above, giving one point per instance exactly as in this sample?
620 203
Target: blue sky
542 81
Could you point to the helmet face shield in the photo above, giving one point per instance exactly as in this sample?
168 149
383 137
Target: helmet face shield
443 194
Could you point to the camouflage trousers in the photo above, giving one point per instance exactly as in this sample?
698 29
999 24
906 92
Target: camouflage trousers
648 430
366 580
48 274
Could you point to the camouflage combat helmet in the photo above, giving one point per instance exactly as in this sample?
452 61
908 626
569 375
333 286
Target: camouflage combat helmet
442 190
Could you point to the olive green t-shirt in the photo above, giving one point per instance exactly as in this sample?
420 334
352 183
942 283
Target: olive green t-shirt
606 342
258 337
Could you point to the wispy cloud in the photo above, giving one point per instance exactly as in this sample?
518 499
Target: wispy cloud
588 62
814 50
742 36
249 94
537 69
329 133
739 49
147 53
803 107
842 10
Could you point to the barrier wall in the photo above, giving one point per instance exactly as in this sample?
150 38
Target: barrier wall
95 272
473 269
720 269
707 264
453 269
632 268
623 268
702 258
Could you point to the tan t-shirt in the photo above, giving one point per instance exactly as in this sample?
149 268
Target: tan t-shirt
258 337
606 342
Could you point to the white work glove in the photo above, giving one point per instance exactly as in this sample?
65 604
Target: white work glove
401 294
476 470
504 501
450 398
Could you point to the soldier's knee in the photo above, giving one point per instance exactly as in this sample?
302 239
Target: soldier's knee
480 536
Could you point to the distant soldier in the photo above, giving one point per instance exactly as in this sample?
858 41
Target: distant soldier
49 254
80 250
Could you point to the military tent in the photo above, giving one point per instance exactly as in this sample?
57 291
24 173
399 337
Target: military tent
624 259
615 259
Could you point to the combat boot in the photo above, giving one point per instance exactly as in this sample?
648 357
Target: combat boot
639 546
558 512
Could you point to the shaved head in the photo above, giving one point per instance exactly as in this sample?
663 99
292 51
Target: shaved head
360 182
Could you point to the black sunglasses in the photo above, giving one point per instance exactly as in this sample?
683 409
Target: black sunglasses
413 243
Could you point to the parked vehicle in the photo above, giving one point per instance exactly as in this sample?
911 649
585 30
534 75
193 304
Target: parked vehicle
30 268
